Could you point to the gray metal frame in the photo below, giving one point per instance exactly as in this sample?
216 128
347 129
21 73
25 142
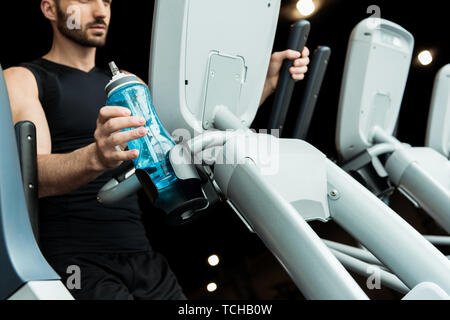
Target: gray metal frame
406 172
297 247
266 209
21 261
362 268
385 234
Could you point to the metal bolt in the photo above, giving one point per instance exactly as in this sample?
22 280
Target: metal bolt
29 138
31 186
334 194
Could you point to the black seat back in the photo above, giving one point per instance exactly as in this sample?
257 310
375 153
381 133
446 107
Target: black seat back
27 147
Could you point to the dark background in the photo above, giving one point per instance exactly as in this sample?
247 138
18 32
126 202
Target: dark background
247 269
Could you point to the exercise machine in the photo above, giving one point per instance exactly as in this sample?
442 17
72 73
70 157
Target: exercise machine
375 77
356 259
206 79
438 132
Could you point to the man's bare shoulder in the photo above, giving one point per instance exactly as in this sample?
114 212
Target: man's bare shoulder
23 93
20 78
126 72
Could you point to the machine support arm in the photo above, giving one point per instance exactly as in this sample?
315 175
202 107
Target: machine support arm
311 265
384 233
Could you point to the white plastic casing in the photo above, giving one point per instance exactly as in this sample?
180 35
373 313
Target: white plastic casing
438 133
42 290
200 58
435 165
282 163
427 291
375 75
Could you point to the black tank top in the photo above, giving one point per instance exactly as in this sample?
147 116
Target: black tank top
76 222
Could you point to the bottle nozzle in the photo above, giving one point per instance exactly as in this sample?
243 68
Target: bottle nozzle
115 71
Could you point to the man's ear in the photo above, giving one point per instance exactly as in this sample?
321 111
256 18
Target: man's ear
48 8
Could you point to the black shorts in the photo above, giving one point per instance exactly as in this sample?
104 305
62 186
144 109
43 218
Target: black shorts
118 276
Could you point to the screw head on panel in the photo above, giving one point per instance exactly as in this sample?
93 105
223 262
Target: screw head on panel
334 194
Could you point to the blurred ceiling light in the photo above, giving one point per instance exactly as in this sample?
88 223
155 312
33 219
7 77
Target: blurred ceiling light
306 7
211 287
425 57
213 260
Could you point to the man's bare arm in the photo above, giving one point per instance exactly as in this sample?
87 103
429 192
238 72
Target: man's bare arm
63 173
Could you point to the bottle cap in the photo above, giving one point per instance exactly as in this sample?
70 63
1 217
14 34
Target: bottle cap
119 79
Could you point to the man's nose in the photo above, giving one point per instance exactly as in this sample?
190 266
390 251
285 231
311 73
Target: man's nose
100 11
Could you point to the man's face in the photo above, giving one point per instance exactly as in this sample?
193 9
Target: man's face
85 22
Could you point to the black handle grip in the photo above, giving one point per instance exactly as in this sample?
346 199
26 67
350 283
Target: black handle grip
27 147
314 79
297 41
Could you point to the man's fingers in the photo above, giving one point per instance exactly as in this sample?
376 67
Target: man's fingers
279 57
120 138
305 52
298 76
301 62
116 124
124 155
299 70
107 113
291 54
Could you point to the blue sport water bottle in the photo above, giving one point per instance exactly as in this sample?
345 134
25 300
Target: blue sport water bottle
180 199
127 91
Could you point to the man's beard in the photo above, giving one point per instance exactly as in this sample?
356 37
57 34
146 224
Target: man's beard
80 36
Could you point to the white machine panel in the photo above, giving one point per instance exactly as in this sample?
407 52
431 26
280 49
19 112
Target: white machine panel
426 291
200 58
438 133
42 290
375 75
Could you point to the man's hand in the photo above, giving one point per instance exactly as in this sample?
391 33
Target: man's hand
63 173
299 68
109 121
